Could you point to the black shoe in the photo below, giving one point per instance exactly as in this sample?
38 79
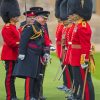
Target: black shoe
43 98
32 98
72 97
14 99
63 88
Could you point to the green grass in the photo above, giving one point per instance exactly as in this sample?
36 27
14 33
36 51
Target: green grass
50 85
97 62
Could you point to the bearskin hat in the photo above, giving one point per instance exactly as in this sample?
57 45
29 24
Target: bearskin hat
0 4
63 10
9 9
81 7
57 8
71 6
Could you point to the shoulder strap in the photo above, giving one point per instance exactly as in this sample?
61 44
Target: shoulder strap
36 33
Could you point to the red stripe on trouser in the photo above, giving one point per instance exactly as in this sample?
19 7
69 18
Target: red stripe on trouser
8 81
68 78
27 88
87 95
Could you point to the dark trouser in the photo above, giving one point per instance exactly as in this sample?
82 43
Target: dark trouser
42 74
64 77
32 88
64 74
67 76
10 80
70 72
89 88
78 76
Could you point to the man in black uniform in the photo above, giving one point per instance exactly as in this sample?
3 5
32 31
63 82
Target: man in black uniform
30 50
30 20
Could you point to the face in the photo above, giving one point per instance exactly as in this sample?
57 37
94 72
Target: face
14 19
41 20
74 17
30 19
65 22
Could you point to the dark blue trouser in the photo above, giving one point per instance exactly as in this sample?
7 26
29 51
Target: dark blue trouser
34 87
10 80
78 77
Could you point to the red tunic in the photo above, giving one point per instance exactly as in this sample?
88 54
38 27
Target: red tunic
11 37
69 31
58 39
47 38
64 39
81 37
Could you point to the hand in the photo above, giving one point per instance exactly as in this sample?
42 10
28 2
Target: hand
21 56
85 65
46 57
52 48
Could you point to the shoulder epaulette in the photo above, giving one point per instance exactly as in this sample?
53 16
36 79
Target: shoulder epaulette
84 24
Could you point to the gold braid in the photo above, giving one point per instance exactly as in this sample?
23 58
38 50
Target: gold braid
37 33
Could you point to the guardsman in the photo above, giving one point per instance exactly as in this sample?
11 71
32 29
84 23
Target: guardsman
30 51
66 74
58 41
80 50
11 37
58 29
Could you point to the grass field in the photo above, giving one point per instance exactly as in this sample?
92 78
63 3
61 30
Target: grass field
50 85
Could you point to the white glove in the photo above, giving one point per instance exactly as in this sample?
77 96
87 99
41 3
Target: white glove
52 48
21 56
46 57
85 65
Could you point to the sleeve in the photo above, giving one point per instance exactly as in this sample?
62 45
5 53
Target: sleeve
26 34
85 40
9 39
47 43
47 40
46 27
59 33
46 36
